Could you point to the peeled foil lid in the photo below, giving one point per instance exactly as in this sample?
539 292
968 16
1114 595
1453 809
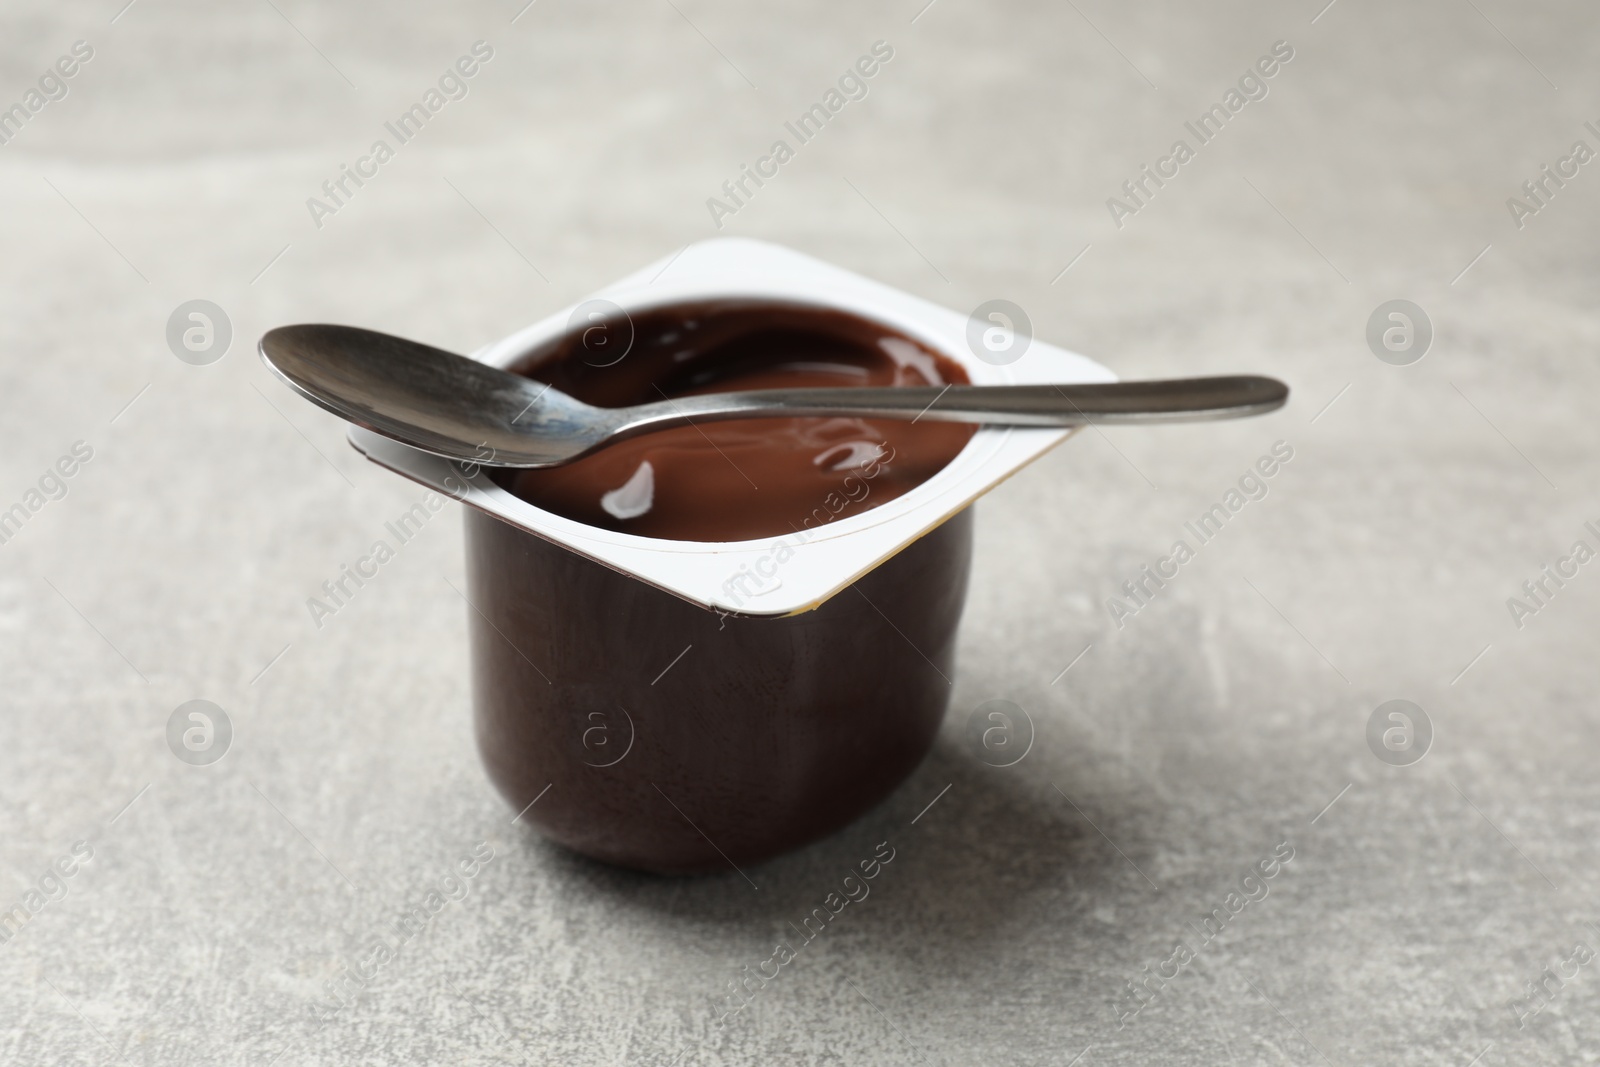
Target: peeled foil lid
790 573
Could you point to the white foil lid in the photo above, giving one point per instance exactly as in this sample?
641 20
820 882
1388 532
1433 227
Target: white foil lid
790 573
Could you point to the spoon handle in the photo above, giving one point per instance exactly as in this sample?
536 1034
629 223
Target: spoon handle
1172 400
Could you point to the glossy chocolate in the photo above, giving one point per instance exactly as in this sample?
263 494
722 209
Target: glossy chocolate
749 478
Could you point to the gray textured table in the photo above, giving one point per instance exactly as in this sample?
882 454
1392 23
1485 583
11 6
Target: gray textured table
1222 724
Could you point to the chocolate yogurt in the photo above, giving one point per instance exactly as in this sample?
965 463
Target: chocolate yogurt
650 732
741 479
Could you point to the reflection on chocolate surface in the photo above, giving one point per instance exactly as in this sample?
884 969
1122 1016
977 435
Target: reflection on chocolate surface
748 478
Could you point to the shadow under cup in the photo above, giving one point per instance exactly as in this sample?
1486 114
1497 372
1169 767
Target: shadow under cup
645 730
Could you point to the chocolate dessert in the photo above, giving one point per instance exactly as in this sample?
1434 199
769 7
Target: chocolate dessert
748 478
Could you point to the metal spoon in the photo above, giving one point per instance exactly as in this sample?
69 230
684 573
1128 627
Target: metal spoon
461 409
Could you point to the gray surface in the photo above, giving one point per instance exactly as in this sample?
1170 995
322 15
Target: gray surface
1215 725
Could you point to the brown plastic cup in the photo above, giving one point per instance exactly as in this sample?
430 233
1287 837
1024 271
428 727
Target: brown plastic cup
653 733
683 707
